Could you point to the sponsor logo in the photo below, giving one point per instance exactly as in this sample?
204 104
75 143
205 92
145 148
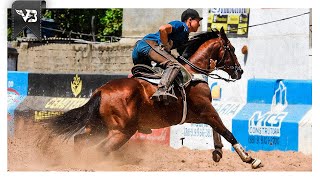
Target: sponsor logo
65 103
225 11
215 91
41 115
197 130
269 123
227 108
13 96
76 85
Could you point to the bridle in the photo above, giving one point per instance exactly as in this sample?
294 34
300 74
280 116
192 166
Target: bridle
224 66
226 48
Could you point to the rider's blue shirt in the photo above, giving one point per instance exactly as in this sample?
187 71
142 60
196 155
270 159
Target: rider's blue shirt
179 34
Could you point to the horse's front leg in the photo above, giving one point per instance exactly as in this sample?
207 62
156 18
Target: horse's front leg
201 105
217 152
214 120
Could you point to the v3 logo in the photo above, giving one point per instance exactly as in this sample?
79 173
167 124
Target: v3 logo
30 16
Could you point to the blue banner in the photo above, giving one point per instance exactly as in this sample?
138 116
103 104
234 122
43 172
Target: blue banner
270 119
17 89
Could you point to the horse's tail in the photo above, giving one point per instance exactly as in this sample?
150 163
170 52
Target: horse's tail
74 120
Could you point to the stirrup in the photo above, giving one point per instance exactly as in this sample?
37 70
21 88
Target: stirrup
161 95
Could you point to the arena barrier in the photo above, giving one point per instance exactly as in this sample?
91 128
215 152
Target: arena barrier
277 116
226 101
34 97
17 88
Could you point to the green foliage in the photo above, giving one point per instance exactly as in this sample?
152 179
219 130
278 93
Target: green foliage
112 22
107 22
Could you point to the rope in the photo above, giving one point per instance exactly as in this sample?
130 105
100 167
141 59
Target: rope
219 77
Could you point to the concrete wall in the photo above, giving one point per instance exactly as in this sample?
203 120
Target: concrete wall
277 50
140 22
75 58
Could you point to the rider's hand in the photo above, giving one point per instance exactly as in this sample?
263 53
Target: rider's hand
213 63
168 46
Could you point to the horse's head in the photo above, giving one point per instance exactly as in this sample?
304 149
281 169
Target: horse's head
227 59
216 46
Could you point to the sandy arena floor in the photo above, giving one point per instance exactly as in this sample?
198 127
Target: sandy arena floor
25 153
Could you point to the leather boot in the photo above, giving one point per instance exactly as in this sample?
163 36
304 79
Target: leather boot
162 94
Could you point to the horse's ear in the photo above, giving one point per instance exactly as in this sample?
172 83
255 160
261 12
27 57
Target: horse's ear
223 34
222 30
215 32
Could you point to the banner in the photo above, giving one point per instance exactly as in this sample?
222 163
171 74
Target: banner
17 88
272 118
234 20
67 85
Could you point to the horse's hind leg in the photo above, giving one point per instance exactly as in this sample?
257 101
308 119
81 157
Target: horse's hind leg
89 138
217 153
114 140
80 141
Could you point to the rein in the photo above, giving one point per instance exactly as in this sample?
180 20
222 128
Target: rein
206 71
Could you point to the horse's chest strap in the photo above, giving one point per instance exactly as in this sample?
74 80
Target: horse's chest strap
200 77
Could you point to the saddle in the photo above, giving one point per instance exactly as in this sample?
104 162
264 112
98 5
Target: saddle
154 74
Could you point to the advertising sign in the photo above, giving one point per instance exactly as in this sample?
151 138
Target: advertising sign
200 136
275 125
17 88
158 136
234 20
67 85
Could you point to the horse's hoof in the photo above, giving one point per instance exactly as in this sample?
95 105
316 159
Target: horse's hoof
216 155
256 163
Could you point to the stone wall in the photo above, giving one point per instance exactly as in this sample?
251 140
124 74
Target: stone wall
75 58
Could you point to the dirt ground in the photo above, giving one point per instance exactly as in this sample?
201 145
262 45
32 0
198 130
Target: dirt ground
27 153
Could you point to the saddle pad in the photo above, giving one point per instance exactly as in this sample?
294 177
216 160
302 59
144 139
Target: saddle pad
152 81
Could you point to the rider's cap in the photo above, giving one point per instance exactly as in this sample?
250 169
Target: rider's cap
190 13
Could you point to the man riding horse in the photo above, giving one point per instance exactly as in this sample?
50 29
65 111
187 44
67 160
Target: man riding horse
170 36
122 107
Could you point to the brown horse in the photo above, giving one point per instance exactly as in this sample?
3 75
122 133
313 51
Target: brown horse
120 108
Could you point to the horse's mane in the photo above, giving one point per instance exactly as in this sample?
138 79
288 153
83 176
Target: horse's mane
190 47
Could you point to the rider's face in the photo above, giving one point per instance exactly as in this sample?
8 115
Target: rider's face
193 24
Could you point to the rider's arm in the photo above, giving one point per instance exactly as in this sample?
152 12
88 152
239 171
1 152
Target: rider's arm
165 30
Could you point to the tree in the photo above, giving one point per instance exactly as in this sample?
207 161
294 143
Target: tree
107 23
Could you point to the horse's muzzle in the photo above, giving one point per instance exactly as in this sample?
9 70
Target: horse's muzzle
237 74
